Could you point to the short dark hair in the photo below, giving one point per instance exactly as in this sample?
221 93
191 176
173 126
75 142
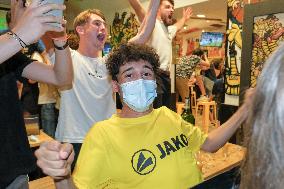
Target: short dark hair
131 52
198 52
84 16
217 62
171 1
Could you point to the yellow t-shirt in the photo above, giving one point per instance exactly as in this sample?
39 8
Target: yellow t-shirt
152 151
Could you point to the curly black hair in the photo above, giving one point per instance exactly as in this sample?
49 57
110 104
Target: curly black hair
131 52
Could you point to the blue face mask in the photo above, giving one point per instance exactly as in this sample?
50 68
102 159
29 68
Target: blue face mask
139 94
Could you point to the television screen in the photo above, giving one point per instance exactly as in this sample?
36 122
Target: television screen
211 39
107 48
3 24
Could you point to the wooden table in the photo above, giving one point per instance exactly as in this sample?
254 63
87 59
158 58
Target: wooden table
212 164
226 158
42 137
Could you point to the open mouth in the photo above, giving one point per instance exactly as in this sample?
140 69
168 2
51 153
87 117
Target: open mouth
101 37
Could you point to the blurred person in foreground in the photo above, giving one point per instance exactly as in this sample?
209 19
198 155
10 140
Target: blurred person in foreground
263 166
28 25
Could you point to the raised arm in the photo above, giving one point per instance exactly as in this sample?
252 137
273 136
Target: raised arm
218 137
204 63
187 13
61 74
148 24
139 10
30 26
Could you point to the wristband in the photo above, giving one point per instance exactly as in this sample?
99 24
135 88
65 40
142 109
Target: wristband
17 38
61 48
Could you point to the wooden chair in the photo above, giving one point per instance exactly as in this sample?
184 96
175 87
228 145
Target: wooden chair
206 106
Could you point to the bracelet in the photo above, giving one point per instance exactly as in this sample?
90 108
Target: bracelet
61 48
17 38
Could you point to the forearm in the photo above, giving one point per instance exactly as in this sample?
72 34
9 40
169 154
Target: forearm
8 47
139 10
148 24
65 184
218 137
205 63
180 23
63 67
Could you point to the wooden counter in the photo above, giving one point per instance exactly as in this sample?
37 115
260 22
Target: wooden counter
212 164
42 183
226 158
42 137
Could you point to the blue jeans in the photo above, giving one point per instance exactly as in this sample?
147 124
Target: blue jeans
49 116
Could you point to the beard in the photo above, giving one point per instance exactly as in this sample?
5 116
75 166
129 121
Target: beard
167 20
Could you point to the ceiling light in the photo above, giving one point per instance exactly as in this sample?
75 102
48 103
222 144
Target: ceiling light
184 27
207 21
203 30
201 16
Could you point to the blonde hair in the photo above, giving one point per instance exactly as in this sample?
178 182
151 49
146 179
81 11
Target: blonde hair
84 16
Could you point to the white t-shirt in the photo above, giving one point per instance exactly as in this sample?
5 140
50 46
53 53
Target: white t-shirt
90 100
161 40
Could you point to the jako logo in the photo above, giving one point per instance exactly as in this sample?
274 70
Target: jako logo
143 162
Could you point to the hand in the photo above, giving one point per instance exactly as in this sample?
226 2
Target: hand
59 38
249 93
17 10
55 159
33 22
187 13
191 81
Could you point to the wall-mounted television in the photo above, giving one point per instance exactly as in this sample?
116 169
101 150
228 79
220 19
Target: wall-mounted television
107 48
3 24
211 39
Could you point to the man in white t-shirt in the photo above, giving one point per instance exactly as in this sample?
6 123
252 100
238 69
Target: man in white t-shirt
91 98
161 40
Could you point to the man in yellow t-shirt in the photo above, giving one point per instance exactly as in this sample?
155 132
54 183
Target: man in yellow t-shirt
140 147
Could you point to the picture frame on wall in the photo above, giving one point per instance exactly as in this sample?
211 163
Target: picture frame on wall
263 31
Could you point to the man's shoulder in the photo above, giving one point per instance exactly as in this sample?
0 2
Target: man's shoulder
101 126
165 110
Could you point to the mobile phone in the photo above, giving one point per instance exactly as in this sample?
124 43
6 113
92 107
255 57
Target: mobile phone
57 13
